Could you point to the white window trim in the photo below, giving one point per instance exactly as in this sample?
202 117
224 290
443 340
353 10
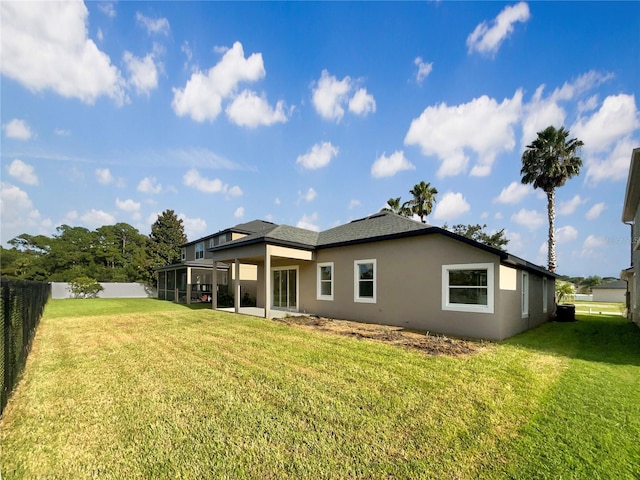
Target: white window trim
356 281
525 295
545 295
201 244
464 307
319 295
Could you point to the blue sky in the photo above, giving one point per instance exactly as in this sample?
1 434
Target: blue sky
314 114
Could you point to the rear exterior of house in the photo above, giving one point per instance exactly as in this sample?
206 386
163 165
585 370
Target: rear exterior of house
631 216
392 270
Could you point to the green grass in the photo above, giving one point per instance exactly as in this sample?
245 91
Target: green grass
595 308
150 389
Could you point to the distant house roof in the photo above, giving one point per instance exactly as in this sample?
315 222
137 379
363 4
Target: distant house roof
377 227
617 284
248 228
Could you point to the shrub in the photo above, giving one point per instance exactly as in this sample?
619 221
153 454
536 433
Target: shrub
85 287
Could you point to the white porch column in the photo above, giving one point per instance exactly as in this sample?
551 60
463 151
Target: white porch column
188 286
236 286
214 286
267 281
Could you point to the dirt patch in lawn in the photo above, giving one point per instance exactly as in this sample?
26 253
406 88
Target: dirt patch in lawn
432 344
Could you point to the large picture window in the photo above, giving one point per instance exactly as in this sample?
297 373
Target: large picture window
325 281
364 281
468 287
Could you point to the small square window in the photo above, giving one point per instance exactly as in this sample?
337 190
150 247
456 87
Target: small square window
468 287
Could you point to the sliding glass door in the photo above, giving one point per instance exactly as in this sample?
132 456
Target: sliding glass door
284 286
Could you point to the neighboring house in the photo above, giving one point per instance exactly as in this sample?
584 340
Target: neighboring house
610 292
391 270
631 216
192 278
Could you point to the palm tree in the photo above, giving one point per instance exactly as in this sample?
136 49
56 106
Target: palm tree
548 163
424 196
394 206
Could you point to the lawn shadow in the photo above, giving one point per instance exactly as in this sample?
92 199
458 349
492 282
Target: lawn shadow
597 338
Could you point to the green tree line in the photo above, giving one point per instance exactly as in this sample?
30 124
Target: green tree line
111 253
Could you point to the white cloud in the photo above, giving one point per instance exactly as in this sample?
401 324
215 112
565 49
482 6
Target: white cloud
23 172
143 72
108 8
193 179
18 215
566 234
595 211
277 201
309 222
354 203
128 205
616 119
18 129
516 243
542 111
97 218
319 156
309 196
103 175
482 125
388 166
498 216
531 219
239 213
250 110
487 39
62 132
613 165
202 96
45 47
451 206
513 193
591 245
362 103
569 206
424 69
330 96
154 25
193 227
149 185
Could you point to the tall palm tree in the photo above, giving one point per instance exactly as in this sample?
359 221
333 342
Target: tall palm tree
548 163
424 196
394 206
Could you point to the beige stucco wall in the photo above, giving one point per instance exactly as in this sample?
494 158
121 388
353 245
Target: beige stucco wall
409 286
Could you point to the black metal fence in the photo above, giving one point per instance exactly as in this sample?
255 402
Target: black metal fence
21 304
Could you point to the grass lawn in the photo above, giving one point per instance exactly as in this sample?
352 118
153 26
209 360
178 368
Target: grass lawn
599 307
150 389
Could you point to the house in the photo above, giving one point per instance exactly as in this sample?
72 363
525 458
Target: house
384 269
615 291
631 216
192 278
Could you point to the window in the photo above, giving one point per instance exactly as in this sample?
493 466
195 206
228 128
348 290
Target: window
468 287
525 294
212 243
183 254
325 281
199 250
364 281
545 298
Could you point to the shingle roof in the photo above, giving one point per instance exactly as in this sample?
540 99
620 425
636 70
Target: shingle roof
378 225
618 284
254 226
